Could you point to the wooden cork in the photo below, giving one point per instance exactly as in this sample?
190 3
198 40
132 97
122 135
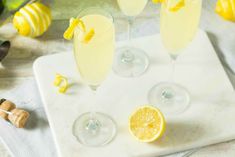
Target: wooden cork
7 106
18 117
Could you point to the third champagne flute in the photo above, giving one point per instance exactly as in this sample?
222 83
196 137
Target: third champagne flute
179 24
130 61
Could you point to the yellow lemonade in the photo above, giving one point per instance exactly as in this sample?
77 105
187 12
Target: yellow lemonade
132 7
179 27
94 58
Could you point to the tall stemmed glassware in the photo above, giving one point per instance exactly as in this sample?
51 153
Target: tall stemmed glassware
179 23
94 61
130 61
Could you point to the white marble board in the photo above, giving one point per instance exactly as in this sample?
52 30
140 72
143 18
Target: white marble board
208 120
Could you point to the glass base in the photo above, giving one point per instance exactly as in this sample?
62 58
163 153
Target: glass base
170 98
94 130
130 62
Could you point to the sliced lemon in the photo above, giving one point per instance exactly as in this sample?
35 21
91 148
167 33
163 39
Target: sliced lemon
147 124
178 6
61 82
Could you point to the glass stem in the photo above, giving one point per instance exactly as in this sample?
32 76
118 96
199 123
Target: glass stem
93 90
172 75
93 125
167 94
129 29
128 57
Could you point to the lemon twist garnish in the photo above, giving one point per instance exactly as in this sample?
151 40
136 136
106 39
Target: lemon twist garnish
89 36
178 6
147 124
175 8
80 24
157 1
68 34
61 82
226 9
86 37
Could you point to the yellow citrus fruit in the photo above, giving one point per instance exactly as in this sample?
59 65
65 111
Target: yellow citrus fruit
32 20
20 22
178 6
147 123
226 9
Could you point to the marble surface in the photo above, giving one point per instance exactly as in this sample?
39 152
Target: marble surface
18 64
202 124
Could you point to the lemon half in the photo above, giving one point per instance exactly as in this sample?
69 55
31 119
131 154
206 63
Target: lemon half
147 124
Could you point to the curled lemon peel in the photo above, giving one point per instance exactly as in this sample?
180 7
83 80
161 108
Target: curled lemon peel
175 8
80 24
74 22
226 9
157 1
68 34
89 36
61 82
178 6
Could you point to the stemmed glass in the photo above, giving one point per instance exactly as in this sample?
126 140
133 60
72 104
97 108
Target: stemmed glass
130 61
179 23
94 62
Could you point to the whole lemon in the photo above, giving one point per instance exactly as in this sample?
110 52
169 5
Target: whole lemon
33 19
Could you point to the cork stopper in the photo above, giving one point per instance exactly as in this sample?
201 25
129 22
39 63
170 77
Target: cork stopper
18 117
7 106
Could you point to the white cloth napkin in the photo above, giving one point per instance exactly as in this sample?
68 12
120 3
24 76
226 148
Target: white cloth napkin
35 140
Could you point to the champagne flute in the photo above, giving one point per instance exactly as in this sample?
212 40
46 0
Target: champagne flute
94 61
130 61
178 27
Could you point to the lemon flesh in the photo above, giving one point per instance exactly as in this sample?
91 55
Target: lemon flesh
147 124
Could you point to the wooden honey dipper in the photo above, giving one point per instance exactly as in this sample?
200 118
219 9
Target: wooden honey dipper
8 111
